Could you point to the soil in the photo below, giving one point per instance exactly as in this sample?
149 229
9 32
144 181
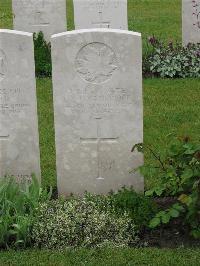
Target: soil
175 234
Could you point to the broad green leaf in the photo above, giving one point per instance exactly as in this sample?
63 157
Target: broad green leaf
149 192
183 198
178 207
174 213
165 218
154 222
188 173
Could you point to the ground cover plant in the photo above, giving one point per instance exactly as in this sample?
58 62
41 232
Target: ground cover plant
81 222
171 60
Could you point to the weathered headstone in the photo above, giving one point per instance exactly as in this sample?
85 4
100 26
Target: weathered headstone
19 142
100 14
48 16
97 80
190 21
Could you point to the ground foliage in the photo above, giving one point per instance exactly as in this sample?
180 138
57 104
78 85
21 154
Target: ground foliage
81 222
42 49
178 174
18 203
171 60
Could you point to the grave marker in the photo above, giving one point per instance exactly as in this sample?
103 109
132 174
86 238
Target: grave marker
48 16
97 81
190 21
100 14
19 143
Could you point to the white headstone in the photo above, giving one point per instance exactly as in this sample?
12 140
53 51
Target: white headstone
190 21
19 142
48 16
97 80
100 14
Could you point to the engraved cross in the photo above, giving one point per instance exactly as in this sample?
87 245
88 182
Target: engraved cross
39 20
4 136
98 141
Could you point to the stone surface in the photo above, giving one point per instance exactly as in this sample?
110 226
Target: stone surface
100 14
97 80
48 16
190 21
19 142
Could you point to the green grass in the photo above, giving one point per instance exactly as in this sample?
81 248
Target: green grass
5 14
104 256
161 18
46 131
171 107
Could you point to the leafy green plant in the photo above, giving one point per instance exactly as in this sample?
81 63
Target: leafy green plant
43 65
172 60
163 217
178 174
17 208
80 222
126 201
140 208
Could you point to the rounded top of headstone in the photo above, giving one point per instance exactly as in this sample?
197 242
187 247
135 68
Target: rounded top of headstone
16 32
137 34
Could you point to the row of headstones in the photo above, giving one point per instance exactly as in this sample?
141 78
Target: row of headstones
97 101
49 16
97 87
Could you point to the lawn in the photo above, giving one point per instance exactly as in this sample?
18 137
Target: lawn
170 107
103 256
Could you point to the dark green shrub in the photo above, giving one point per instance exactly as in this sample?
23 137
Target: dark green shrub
172 60
17 208
178 175
140 208
43 66
80 222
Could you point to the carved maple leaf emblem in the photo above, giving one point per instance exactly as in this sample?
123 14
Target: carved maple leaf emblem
96 62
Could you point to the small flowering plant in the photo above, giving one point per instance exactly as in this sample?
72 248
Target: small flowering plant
178 173
81 222
171 60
